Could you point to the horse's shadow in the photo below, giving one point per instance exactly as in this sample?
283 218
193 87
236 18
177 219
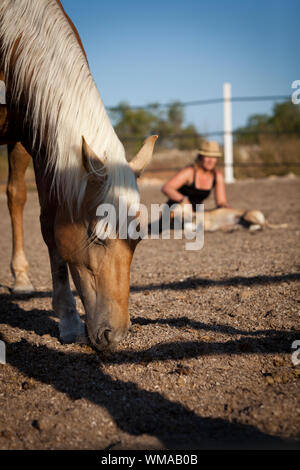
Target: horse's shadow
237 281
181 322
250 342
35 319
136 411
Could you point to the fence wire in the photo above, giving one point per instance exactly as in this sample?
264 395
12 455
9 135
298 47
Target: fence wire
236 133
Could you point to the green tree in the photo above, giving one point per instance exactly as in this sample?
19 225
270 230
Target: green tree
284 119
133 124
175 117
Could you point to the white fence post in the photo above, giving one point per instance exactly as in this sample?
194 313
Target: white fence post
228 147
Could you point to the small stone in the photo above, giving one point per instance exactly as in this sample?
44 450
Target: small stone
180 381
203 337
269 380
58 427
42 424
7 433
245 294
277 379
278 361
25 386
183 370
28 384
240 311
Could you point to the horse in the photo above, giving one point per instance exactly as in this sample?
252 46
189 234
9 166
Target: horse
54 114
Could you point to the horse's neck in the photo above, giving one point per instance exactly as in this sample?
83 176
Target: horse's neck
73 28
49 74
48 65
48 71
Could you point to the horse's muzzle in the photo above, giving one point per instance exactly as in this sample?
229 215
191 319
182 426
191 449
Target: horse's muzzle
106 338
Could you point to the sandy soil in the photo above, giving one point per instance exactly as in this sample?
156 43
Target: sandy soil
208 360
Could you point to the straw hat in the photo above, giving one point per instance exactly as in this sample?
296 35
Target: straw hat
209 149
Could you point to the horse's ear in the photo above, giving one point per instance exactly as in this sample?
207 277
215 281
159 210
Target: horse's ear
144 156
91 162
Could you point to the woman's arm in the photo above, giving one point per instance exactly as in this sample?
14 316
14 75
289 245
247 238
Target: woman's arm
170 188
220 192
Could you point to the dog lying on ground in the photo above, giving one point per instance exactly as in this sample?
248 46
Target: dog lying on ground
227 218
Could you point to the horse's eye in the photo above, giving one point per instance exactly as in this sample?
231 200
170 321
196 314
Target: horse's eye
97 241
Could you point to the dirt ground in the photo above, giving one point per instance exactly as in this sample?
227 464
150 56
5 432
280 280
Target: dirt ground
207 363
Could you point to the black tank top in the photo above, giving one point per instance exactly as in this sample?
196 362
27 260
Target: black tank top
195 195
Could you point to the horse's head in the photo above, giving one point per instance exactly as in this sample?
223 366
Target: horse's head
100 264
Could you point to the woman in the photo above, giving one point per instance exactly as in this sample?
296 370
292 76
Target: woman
194 183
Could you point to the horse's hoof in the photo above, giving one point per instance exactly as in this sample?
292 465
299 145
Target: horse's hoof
23 289
82 339
74 338
73 333
67 339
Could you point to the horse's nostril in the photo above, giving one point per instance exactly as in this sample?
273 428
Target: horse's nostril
107 335
104 336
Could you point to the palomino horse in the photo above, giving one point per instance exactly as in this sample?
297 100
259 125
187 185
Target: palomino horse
54 110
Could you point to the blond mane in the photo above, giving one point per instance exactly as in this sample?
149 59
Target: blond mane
63 104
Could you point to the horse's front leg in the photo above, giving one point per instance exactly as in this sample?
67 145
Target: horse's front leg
71 328
18 160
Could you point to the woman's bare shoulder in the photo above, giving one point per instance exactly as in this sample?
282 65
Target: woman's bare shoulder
219 175
185 172
182 177
188 169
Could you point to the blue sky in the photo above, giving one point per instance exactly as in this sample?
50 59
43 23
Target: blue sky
159 51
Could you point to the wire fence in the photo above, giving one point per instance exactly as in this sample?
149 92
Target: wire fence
236 132
208 101
272 156
277 151
237 99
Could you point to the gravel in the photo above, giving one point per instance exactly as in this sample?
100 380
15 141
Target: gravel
207 363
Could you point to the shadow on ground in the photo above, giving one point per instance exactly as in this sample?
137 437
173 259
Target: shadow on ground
137 411
193 283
